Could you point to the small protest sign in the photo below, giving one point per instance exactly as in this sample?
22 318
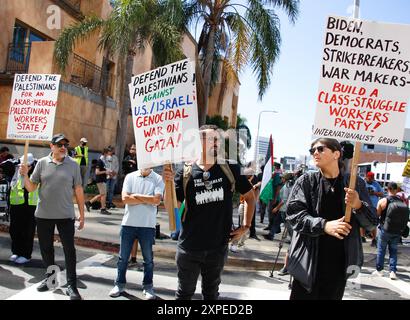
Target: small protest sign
406 169
364 85
406 185
33 107
165 115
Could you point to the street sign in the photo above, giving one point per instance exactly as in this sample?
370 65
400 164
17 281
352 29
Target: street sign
406 145
290 161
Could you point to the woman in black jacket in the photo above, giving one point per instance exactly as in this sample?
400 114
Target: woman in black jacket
325 250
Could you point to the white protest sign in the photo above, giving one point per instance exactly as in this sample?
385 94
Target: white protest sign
364 85
33 106
165 115
406 185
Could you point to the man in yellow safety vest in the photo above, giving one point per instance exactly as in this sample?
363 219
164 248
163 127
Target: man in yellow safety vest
81 157
22 222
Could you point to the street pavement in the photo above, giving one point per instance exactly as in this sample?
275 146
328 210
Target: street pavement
247 275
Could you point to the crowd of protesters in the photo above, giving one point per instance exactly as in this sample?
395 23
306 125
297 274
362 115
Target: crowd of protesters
308 206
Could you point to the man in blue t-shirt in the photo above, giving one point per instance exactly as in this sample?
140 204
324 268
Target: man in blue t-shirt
141 192
374 189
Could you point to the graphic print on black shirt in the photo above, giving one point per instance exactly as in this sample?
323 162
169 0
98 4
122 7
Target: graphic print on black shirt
211 195
208 219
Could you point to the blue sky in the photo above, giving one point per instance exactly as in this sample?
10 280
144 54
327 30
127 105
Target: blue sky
296 74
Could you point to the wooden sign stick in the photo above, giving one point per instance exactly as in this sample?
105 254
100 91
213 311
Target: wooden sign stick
169 203
25 152
353 177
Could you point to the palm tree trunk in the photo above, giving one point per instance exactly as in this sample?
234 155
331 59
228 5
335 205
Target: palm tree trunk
222 92
200 87
207 75
124 76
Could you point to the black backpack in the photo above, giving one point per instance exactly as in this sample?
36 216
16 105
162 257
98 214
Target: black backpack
396 217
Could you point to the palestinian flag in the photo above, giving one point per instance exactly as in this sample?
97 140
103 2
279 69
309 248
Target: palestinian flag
266 187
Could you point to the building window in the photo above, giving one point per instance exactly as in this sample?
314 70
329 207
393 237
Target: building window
378 176
22 36
388 176
369 146
20 47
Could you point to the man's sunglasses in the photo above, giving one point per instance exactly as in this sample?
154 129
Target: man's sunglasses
319 149
60 145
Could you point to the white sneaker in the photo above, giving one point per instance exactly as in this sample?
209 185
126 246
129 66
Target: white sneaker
21 260
378 273
234 248
149 294
13 257
116 292
393 275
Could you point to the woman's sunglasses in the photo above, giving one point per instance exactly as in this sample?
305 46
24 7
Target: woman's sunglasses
319 149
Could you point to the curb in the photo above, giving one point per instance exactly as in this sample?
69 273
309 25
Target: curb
164 253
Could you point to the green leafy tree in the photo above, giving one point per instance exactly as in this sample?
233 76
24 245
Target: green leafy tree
236 34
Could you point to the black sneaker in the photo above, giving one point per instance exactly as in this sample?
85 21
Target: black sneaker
88 205
43 287
112 206
132 263
254 236
363 239
104 211
283 272
73 293
268 237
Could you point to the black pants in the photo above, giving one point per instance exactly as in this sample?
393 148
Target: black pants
207 263
330 288
275 219
45 231
262 210
22 229
252 230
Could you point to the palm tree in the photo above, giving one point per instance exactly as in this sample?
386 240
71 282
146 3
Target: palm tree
238 35
131 27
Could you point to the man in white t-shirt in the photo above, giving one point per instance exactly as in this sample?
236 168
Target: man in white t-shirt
141 192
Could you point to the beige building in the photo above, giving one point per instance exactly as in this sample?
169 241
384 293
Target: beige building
86 103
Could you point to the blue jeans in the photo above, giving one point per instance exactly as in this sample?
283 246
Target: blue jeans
387 239
110 189
145 238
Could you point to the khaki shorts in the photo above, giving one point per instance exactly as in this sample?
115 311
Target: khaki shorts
102 188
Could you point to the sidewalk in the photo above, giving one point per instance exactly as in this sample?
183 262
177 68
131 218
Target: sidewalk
102 232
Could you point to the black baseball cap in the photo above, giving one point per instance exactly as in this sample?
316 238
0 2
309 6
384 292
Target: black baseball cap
58 137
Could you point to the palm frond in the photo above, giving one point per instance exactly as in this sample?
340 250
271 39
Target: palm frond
165 42
239 45
291 7
260 66
81 31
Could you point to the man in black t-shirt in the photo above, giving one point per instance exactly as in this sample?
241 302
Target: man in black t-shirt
101 180
206 226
